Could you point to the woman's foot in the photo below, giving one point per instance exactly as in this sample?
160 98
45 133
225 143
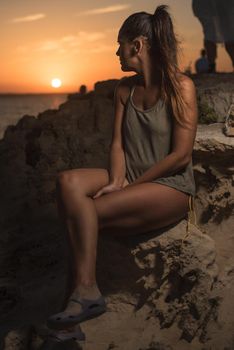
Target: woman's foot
74 333
82 292
84 303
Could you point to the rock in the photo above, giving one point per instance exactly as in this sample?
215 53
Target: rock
153 275
182 292
216 91
158 346
152 286
18 339
156 284
214 173
229 122
105 89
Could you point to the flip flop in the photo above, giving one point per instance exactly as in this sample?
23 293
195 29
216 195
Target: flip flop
90 309
61 336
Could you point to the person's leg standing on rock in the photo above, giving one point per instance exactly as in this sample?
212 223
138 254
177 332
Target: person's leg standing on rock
229 45
211 50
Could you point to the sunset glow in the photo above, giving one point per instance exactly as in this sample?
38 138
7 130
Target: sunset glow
56 83
79 42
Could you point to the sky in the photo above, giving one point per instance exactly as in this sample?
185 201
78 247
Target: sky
76 41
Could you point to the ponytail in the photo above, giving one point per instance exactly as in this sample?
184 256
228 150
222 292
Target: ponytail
165 47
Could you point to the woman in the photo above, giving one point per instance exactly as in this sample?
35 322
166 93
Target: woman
150 179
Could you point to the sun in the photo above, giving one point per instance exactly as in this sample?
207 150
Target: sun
56 83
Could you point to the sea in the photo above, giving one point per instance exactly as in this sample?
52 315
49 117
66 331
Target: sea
14 106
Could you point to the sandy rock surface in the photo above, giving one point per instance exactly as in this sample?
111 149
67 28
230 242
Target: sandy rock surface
216 91
214 171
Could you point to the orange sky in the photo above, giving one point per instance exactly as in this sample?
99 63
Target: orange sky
76 41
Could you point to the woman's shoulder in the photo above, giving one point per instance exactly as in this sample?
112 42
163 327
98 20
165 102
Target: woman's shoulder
125 85
185 82
129 81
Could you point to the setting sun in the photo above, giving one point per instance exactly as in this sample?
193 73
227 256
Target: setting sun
56 83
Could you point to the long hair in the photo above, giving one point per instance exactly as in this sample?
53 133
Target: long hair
158 29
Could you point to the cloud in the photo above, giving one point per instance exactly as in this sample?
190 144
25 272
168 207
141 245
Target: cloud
92 36
22 49
102 48
107 9
68 39
29 18
112 30
48 45
70 42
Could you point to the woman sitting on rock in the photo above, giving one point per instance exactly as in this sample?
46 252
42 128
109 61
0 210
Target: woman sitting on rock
150 179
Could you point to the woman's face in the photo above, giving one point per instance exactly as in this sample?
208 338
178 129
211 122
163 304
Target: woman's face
126 54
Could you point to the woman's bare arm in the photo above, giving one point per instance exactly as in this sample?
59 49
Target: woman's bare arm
182 142
117 167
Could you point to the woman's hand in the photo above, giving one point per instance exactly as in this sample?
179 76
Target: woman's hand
107 189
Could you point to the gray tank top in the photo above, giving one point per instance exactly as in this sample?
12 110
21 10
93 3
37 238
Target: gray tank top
147 137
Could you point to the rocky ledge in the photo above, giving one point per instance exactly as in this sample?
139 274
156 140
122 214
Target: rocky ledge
161 294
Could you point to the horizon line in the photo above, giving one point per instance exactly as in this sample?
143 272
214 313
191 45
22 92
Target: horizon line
38 93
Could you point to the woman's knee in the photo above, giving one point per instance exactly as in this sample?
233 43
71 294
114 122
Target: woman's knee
83 181
66 180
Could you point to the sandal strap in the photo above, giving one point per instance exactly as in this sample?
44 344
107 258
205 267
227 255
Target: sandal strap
88 302
79 301
78 335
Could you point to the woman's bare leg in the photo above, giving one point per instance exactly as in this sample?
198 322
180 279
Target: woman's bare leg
120 210
141 208
77 210
117 211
